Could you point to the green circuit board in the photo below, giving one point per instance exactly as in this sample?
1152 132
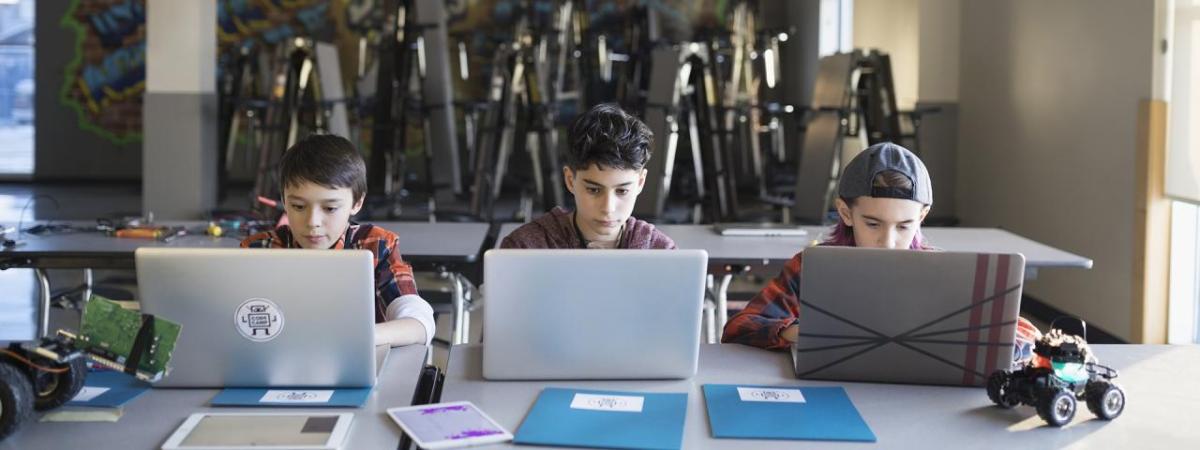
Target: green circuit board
108 331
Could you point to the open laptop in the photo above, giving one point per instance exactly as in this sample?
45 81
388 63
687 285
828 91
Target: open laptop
906 316
592 314
264 317
759 230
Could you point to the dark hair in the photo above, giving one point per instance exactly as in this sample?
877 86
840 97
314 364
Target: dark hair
325 159
608 136
843 235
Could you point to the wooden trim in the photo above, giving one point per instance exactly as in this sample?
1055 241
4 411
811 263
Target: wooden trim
1152 227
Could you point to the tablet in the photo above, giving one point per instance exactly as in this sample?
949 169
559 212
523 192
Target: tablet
448 425
759 229
236 431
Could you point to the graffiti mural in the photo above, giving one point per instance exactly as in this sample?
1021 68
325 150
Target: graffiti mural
105 80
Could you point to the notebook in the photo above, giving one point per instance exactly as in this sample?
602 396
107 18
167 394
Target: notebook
588 418
784 412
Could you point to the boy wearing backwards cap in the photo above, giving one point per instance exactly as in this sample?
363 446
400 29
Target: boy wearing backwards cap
883 196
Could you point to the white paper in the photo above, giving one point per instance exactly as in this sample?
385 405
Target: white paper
282 396
770 395
618 403
88 393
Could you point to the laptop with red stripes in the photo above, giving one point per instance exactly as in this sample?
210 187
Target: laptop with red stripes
906 316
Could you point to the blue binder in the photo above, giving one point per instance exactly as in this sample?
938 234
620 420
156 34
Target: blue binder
122 389
826 414
345 398
553 421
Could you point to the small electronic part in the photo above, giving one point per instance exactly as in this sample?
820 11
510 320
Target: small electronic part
126 340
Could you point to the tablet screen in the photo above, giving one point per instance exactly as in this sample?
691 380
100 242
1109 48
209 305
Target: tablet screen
261 430
448 424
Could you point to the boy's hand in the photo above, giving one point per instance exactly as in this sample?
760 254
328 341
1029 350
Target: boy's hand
791 333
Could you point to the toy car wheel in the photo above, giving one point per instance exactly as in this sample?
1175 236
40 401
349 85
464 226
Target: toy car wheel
999 387
1057 407
16 399
53 389
1105 400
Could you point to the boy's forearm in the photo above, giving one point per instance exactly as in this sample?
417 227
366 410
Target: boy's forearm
400 332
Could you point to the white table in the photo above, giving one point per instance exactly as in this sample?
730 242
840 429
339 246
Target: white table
148 420
1160 384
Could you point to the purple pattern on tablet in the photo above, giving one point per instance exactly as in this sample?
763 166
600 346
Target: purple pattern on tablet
443 409
473 433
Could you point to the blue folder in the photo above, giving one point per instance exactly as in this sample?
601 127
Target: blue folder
826 414
552 421
342 398
122 389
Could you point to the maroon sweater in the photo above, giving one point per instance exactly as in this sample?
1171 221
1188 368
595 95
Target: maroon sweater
556 229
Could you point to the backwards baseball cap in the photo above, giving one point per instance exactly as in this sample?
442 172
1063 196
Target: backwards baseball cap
858 178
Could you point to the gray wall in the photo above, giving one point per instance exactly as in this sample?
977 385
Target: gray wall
63 150
1048 114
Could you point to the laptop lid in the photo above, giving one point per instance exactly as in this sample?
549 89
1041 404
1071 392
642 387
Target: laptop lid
592 314
264 317
906 316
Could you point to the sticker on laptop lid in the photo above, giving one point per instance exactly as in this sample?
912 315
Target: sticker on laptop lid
619 403
753 394
259 320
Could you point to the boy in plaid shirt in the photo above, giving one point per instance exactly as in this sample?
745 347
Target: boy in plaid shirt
324 182
883 196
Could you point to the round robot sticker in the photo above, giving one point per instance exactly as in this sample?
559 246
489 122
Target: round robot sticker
259 320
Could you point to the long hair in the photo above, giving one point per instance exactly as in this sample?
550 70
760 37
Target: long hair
842 235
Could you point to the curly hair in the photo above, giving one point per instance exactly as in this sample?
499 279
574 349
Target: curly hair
607 136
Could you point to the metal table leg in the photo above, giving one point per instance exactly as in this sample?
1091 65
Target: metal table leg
710 329
87 286
43 302
456 334
723 304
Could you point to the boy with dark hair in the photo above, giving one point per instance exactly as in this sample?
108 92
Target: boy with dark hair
604 168
324 183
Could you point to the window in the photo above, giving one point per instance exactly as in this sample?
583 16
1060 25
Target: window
1183 160
16 87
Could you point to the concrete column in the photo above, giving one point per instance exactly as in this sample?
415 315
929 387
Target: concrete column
179 163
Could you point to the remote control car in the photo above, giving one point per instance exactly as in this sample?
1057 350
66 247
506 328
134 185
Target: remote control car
47 373
1062 372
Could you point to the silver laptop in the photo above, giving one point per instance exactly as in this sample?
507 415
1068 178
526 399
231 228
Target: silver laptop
264 317
592 314
906 316
759 230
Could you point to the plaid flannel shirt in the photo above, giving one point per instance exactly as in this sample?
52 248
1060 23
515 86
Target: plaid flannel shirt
393 277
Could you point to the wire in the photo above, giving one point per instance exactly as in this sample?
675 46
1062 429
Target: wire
21 220
31 363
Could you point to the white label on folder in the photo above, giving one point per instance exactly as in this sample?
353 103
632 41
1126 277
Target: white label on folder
770 395
619 403
280 396
87 393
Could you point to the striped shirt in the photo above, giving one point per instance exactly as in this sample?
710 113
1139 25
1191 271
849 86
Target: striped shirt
396 293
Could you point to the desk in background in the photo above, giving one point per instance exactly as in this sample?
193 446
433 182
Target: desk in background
148 420
447 248
1159 381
